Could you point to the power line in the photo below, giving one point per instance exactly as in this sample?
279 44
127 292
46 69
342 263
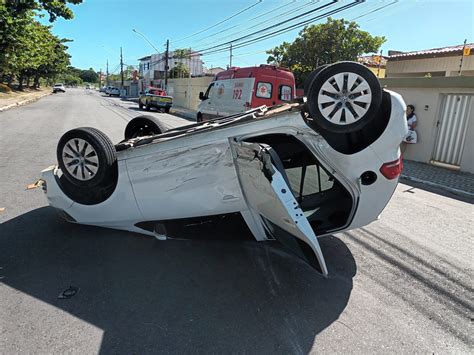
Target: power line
258 17
278 32
221 22
299 24
375 10
270 27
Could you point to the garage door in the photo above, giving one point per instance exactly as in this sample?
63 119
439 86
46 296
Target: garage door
452 127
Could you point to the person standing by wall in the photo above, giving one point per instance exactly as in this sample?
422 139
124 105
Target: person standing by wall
412 123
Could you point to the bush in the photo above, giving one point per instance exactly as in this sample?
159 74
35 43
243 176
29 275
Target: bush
5 89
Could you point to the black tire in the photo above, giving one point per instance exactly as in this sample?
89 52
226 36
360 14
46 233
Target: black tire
147 107
344 110
167 109
199 117
101 153
311 77
140 105
144 125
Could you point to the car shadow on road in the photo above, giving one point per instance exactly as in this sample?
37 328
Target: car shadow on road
172 296
436 190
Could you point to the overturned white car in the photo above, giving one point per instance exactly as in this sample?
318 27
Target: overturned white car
294 172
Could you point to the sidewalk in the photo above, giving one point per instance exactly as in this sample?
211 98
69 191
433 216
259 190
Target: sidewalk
456 182
17 98
184 112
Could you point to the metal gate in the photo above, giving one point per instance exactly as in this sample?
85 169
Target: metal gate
452 127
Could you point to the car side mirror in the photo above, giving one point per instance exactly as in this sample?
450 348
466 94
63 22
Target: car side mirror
201 96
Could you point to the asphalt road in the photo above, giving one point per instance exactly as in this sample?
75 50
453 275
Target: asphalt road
400 285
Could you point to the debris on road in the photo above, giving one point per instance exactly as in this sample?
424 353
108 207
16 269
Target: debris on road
35 185
68 293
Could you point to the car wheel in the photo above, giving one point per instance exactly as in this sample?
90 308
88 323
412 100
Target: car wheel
199 117
87 157
311 77
140 105
344 97
147 107
144 125
167 109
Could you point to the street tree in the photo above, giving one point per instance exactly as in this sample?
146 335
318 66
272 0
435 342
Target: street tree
180 70
54 8
333 41
25 44
89 76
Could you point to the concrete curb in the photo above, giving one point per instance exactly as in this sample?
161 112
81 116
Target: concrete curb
443 187
24 102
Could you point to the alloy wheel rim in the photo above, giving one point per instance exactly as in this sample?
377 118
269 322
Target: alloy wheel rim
80 159
344 98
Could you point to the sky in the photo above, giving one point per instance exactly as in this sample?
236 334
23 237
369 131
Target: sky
101 27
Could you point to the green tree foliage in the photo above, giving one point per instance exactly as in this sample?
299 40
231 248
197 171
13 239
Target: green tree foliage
180 70
326 43
28 49
55 8
89 76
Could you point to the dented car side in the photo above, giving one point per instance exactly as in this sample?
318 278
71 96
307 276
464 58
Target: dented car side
288 180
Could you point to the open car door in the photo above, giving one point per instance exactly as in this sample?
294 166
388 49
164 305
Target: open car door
271 202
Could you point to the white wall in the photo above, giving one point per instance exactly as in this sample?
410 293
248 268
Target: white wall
185 92
427 130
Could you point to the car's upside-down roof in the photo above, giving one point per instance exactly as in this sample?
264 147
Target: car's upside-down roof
259 113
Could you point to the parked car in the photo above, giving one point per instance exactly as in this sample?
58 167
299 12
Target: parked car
240 89
108 88
155 97
114 92
294 172
59 87
103 89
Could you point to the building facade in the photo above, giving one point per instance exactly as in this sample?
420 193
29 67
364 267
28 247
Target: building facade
435 62
152 67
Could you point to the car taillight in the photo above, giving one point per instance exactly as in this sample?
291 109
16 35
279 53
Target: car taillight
393 169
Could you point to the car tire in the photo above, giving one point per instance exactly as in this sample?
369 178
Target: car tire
147 107
344 97
199 117
311 77
140 105
87 157
167 109
144 125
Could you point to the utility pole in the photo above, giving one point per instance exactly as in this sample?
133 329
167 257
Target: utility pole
462 57
230 66
166 63
121 67
107 77
100 78
380 63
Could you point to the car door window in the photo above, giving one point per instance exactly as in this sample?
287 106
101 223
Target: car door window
209 91
308 180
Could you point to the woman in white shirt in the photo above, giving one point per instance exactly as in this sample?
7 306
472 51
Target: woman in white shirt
411 136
